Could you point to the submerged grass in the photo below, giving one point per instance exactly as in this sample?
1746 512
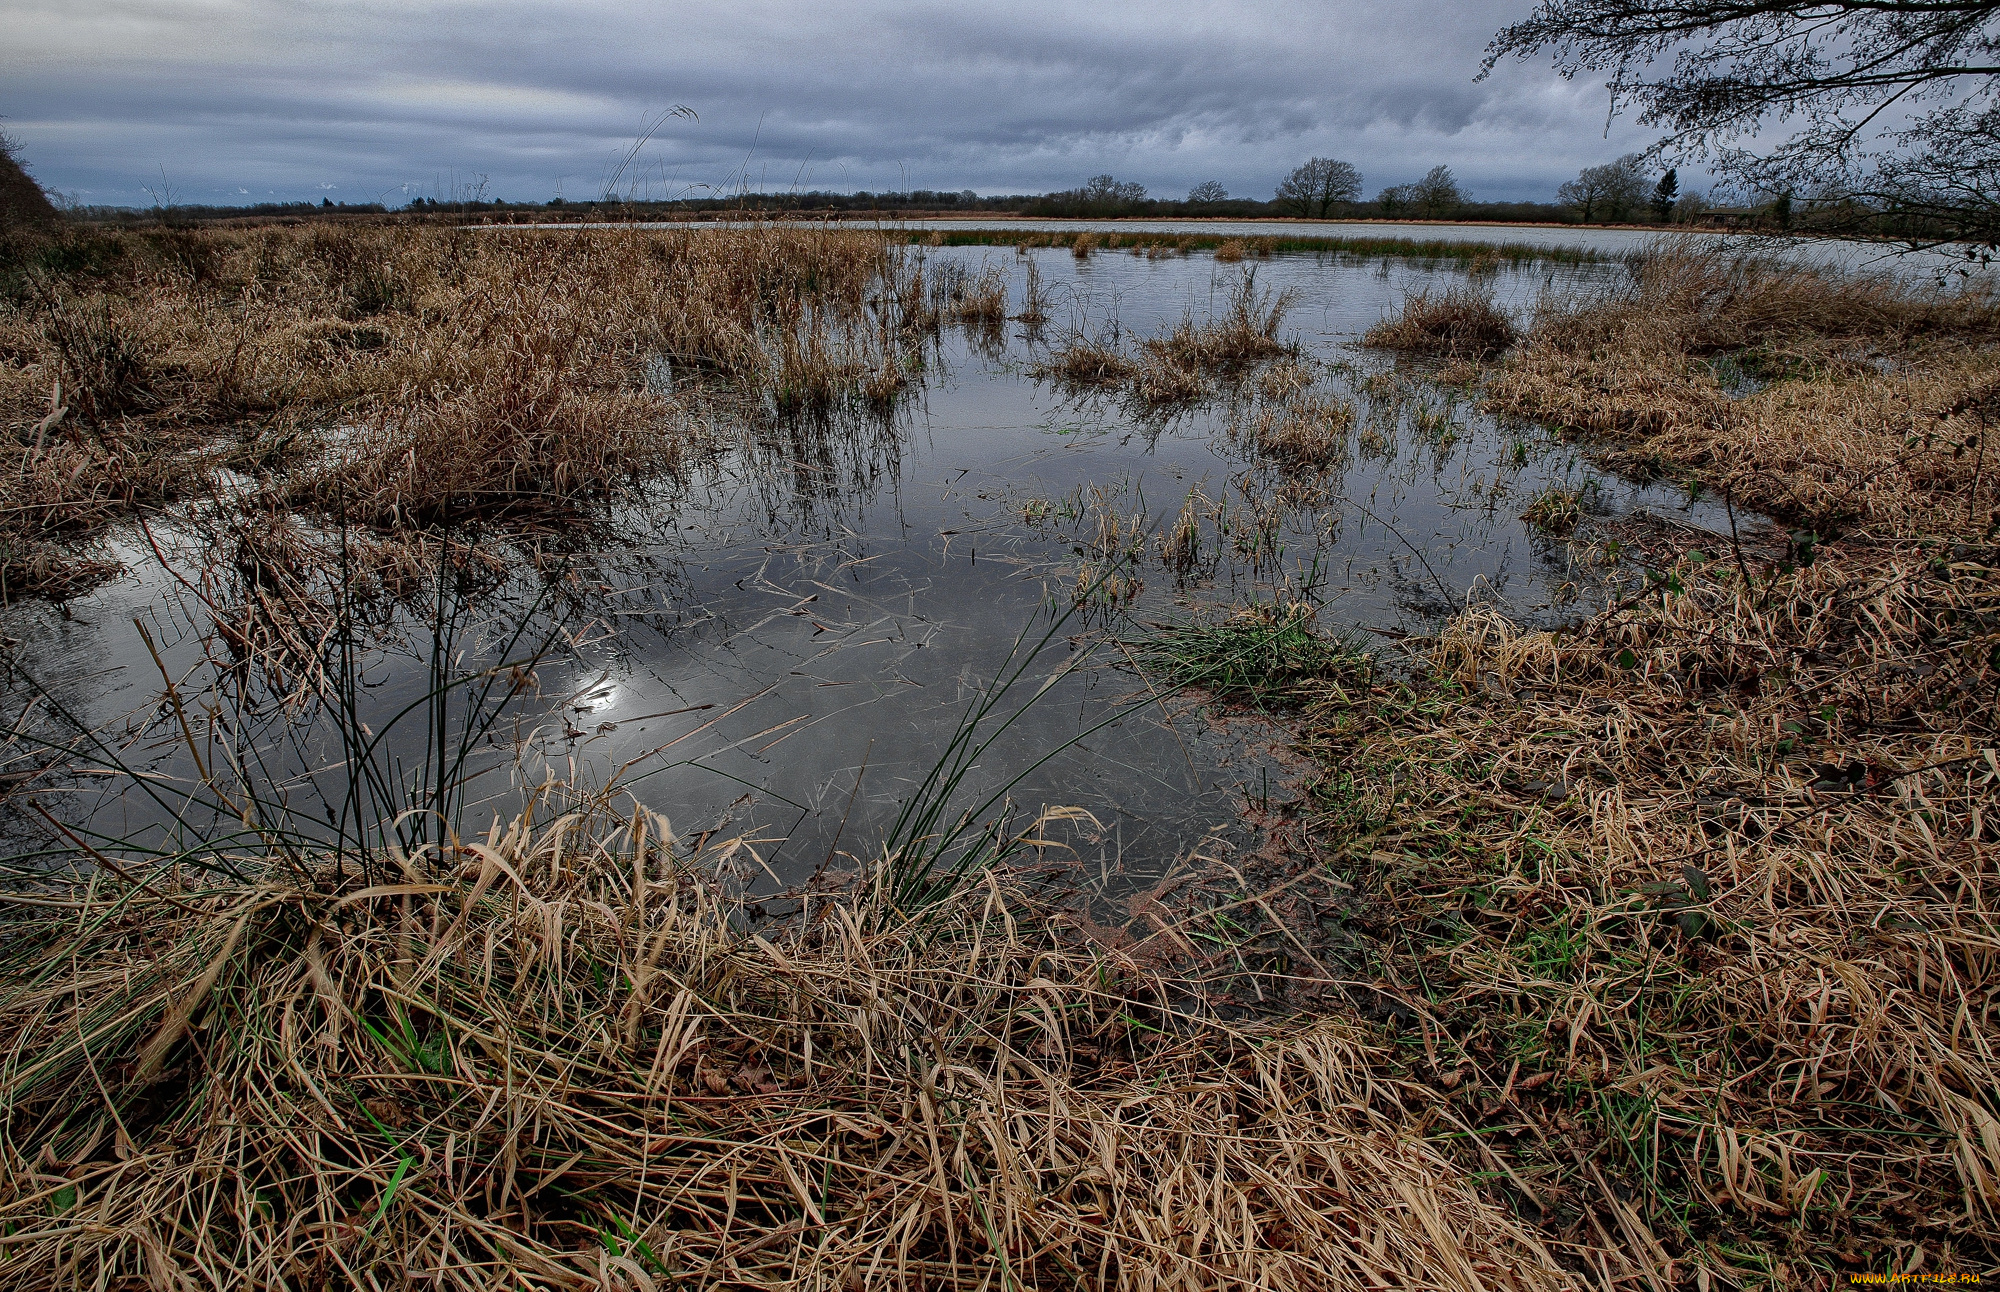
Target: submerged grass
1257 656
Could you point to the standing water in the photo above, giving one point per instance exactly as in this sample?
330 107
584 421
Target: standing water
781 642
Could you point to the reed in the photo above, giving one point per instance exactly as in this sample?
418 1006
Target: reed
414 377
1460 321
389 1045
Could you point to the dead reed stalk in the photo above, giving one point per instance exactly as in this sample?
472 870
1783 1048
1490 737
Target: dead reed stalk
555 1053
418 376
1460 321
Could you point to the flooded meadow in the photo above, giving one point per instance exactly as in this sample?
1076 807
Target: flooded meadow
779 639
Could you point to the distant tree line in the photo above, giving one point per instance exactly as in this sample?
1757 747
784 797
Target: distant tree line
1623 191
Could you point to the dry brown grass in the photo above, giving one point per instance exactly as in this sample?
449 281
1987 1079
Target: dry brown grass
410 375
1176 367
1874 421
1687 296
1686 912
1698 899
1460 321
554 1057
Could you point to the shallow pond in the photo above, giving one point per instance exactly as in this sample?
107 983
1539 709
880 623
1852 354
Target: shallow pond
784 641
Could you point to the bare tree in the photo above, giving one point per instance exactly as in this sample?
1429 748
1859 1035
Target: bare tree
1315 188
1208 191
1107 188
1888 103
1612 191
1436 195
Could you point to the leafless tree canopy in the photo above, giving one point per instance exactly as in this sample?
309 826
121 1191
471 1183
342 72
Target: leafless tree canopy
1436 196
1613 191
1886 106
1320 185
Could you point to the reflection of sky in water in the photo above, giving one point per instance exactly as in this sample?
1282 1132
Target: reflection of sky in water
831 598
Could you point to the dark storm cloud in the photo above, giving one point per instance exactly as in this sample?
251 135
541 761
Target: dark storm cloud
245 99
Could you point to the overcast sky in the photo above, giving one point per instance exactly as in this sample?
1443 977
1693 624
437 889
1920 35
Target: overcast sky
254 100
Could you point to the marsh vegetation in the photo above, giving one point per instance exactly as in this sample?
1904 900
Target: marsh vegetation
1619 913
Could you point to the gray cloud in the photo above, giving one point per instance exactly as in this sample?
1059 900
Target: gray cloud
250 99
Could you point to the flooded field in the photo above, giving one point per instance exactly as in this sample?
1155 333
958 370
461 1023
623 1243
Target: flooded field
782 639
716 722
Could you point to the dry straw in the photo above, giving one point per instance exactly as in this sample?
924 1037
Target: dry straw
556 1055
1691 903
412 376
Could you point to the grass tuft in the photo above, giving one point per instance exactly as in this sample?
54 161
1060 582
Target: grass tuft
1460 321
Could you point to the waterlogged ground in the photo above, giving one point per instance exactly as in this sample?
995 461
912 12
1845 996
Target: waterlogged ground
784 641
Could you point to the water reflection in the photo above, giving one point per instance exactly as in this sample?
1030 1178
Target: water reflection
780 639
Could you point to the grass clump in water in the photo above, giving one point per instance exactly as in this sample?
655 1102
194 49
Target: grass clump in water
1176 367
1305 433
1556 510
1258 656
1460 321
